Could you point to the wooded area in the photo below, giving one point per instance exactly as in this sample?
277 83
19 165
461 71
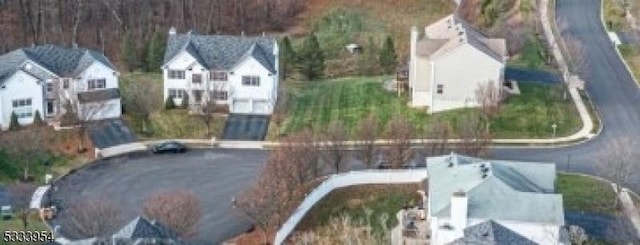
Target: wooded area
101 24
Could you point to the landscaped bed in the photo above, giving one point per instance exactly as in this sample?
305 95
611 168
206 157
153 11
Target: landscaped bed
530 115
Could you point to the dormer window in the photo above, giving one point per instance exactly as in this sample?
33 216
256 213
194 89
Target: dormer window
218 76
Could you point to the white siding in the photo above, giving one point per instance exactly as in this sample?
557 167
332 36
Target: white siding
20 86
96 71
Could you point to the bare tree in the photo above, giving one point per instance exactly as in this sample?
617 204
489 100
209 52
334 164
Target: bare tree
207 112
399 133
93 217
617 162
440 132
335 154
26 146
82 114
141 100
180 210
20 198
475 138
577 59
367 134
488 97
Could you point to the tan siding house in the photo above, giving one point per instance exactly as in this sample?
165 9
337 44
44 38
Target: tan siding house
450 62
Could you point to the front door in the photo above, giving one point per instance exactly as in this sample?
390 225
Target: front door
51 109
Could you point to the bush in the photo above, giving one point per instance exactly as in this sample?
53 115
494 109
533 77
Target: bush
37 119
169 104
14 124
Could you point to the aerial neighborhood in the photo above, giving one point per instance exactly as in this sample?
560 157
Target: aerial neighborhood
319 122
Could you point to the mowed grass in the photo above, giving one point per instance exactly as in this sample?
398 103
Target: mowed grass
614 15
383 201
581 193
631 55
15 224
314 105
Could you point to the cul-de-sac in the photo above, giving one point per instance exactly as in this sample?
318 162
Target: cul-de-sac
358 122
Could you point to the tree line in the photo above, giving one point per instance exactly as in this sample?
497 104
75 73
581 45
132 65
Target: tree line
102 24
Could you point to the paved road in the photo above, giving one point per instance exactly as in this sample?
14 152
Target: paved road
610 85
214 175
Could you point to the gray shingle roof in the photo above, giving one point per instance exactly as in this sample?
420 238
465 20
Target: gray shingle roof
61 61
98 95
140 228
491 233
221 51
518 191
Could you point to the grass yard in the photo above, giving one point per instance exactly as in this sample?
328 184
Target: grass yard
631 55
382 200
582 193
614 15
15 224
349 100
534 55
176 123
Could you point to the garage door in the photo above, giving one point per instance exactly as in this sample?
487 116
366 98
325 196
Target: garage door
241 106
261 107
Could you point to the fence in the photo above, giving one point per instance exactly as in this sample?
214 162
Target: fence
343 180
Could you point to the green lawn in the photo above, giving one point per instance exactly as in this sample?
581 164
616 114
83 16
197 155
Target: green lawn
533 55
582 193
313 105
15 224
614 15
631 55
382 200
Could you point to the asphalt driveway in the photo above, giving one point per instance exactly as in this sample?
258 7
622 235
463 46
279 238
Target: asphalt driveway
214 175
246 127
109 133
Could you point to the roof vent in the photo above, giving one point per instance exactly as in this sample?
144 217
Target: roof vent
484 176
172 31
485 170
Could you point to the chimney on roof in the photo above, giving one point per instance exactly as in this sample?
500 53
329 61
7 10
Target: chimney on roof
412 55
74 45
459 210
172 31
264 34
242 33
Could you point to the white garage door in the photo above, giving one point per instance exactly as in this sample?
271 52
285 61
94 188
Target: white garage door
261 107
241 106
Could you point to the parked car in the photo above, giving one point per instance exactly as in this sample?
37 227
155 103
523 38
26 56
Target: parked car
6 212
169 147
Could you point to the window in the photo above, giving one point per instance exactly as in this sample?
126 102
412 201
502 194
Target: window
196 78
197 94
65 83
440 89
251 81
22 108
176 93
218 76
220 95
97 83
51 108
176 74
50 87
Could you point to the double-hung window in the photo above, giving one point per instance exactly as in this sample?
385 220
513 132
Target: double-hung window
220 95
218 76
176 93
50 87
251 81
440 89
22 108
97 83
176 74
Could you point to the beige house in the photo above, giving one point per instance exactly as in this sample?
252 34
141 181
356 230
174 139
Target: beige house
450 62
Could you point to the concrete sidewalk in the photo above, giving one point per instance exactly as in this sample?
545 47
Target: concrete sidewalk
630 210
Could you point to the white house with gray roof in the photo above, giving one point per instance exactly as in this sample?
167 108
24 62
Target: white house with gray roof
450 62
476 201
238 71
45 78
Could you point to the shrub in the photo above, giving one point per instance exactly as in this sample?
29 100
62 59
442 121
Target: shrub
169 104
14 124
37 119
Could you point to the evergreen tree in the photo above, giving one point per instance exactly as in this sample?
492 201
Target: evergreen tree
388 58
368 63
14 124
287 57
155 53
311 58
169 104
129 53
37 119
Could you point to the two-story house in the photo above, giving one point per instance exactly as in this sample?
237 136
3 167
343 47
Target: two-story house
50 78
238 71
450 62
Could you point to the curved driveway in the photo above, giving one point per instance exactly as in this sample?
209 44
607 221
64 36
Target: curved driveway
609 84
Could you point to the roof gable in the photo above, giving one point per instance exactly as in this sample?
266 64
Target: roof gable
491 233
221 51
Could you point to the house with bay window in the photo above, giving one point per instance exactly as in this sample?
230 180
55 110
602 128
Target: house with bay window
52 79
237 71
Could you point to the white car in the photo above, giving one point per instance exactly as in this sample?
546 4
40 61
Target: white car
6 212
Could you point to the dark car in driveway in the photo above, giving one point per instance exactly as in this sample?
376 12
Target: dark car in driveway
169 147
